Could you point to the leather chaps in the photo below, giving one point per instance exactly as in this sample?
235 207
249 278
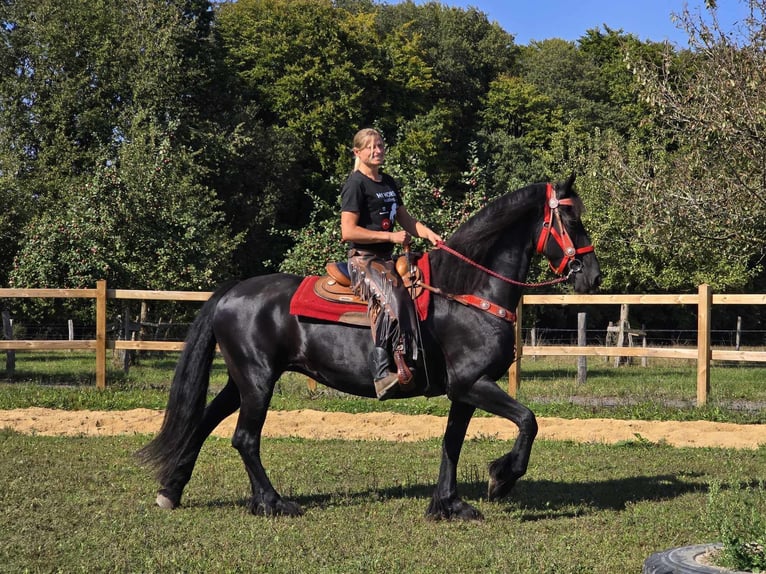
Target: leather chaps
392 312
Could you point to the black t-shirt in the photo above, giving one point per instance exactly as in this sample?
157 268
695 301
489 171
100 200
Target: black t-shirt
375 202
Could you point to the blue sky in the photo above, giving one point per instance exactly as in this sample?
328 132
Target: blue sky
647 19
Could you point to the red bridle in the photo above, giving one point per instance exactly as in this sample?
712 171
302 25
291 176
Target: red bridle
554 228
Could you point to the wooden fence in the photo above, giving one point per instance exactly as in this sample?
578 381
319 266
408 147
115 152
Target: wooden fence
100 344
704 300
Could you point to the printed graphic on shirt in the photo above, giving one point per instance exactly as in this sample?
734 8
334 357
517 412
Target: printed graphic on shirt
388 216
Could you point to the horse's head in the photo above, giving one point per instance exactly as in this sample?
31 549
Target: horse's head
563 239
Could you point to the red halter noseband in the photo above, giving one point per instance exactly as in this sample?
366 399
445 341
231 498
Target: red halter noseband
553 227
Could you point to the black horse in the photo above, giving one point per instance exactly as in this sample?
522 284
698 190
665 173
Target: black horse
466 348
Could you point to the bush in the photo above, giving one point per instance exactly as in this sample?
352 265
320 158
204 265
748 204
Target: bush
737 512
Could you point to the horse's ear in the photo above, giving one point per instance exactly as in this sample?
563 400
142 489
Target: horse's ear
569 184
565 188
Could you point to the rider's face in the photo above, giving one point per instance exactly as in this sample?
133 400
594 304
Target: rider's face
373 153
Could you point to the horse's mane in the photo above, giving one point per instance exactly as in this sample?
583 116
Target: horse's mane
479 236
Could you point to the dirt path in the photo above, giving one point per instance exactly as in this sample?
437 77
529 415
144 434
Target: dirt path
395 427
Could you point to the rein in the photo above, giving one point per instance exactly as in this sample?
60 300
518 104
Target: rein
553 227
444 247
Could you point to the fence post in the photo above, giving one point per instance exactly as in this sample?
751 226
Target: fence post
624 327
10 355
514 371
738 336
704 307
101 334
582 341
644 361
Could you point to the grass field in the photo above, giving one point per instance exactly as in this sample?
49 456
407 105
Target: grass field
665 390
84 504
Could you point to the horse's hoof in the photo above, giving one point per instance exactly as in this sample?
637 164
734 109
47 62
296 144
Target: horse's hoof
280 508
454 509
164 502
497 489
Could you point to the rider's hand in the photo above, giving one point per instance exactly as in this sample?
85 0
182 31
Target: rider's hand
400 236
433 237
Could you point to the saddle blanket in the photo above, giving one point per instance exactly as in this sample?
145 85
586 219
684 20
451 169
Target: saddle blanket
306 303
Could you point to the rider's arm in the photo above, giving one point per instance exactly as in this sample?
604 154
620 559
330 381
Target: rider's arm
415 227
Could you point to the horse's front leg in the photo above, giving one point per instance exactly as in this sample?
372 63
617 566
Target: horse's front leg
506 470
445 503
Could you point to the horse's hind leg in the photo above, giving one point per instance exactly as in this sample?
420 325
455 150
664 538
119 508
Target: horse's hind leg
265 500
224 404
506 470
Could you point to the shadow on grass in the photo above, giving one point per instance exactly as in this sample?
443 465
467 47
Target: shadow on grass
61 379
544 499
534 499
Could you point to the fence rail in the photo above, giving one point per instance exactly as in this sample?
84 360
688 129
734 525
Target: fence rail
704 300
100 344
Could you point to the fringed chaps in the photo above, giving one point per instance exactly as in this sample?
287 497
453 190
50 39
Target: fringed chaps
391 310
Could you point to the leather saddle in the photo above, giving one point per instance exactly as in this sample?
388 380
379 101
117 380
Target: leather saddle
336 285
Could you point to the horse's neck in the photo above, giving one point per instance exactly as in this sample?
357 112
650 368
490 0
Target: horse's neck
499 238
508 267
514 268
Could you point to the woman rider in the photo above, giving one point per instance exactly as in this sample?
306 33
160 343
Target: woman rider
370 206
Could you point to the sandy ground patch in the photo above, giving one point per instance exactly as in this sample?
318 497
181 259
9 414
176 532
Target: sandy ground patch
395 427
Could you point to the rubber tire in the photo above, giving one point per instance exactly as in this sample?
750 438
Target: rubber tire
681 560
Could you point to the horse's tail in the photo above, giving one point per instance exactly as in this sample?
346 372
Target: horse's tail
188 393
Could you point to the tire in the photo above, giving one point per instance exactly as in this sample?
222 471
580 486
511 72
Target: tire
682 560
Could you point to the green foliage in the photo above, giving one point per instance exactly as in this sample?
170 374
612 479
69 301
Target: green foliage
17 209
709 107
317 243
736 511
518 127
262 98
98 125
142 223
293 60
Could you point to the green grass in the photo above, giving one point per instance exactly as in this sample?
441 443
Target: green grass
665 390
82 504
736 512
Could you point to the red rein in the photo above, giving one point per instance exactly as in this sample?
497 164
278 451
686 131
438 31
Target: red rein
554 228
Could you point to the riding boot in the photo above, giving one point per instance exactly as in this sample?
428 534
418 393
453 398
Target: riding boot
385 381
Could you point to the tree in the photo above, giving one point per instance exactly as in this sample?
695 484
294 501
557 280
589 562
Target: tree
465 52
517 127
709 193
140 223
293 58
101 99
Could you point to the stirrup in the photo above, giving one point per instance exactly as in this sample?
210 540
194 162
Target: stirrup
402 369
